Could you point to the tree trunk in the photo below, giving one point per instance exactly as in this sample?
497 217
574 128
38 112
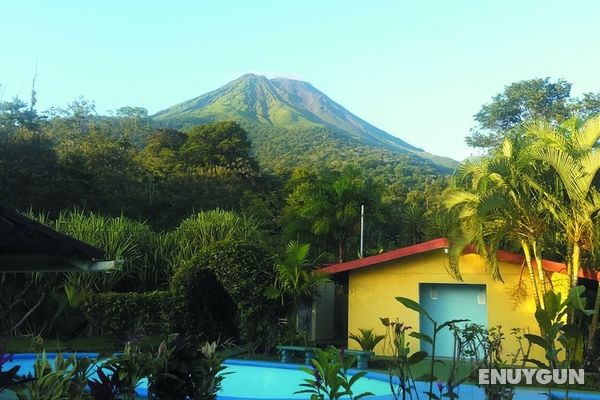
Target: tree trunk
534 287
341 249
540 268
574 274
575 261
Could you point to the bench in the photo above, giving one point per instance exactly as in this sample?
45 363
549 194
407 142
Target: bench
286 353
362 358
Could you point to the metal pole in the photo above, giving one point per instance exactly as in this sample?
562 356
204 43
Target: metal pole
362 228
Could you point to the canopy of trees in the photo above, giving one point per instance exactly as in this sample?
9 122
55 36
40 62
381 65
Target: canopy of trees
529 100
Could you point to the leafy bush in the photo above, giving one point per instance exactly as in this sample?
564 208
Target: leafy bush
131 366
65 378
107 385
206 228
124 315
329 376
182 370
557 332
147 256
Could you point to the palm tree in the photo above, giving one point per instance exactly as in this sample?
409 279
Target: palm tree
414 222
572 151
297 278
497 203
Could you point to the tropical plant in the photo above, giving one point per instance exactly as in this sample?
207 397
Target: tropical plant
572 151
520 355
483 348
437 328
328 205
557 332
401 378
497 199
143 252
107 385
297 278
211 373
329 377
366 339
413 222
132 366
182 370
65 378
206 228
68 315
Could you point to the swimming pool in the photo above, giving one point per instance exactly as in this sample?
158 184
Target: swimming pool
251 380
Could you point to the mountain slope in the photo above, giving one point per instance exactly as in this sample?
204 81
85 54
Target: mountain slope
289 104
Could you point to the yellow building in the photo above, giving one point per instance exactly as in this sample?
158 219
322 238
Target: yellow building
420 272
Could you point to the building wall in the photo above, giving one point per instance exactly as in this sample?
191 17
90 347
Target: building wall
372 292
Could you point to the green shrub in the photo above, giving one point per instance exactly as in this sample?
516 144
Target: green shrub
64 378
329 378
183 370
124 315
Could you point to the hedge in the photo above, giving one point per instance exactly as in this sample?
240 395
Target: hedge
122 316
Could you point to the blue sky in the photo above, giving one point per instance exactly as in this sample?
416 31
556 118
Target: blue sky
417 69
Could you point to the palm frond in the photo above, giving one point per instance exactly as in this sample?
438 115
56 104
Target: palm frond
569 170
588 135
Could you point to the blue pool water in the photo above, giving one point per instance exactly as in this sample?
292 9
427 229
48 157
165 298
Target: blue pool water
275 381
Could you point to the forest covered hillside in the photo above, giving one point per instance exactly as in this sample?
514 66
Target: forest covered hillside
290 111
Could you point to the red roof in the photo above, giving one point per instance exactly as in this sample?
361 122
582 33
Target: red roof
442 243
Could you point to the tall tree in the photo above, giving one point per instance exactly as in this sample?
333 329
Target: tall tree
497 200
519 102
17 114
223 144
328 205
528 101
572 151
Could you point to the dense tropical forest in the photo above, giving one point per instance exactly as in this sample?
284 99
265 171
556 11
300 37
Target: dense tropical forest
157 198
167 200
